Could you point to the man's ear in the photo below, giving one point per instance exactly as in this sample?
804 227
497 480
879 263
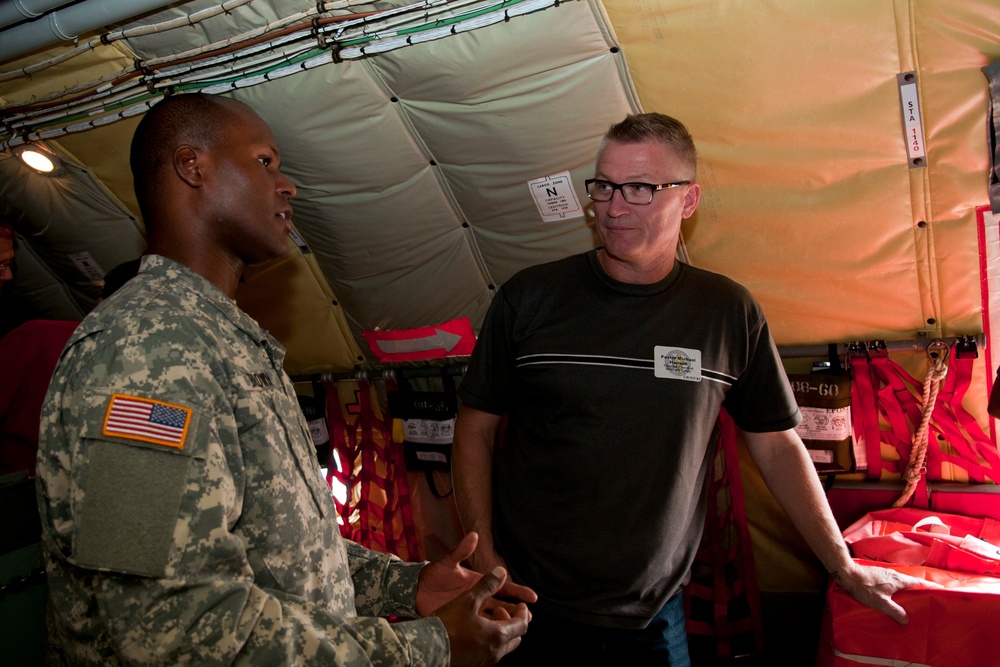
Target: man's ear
187 165
691 198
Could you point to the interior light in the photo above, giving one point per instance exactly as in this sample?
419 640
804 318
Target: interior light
40 160
37 161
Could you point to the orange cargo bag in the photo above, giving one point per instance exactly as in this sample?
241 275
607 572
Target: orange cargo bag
949 626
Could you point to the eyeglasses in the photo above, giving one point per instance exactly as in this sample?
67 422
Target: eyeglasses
634 193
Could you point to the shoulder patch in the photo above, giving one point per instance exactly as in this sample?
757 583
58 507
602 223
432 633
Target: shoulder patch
147 420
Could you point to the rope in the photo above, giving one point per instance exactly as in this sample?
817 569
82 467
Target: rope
915 469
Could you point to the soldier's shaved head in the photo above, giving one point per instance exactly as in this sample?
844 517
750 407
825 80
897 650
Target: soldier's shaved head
192 119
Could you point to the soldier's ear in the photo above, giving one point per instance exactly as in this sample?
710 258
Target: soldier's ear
187 165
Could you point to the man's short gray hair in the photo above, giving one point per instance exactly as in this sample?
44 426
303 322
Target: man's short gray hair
661 127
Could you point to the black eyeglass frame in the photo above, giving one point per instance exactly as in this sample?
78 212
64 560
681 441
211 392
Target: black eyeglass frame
653 188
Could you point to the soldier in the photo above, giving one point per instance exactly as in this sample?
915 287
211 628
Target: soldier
184 517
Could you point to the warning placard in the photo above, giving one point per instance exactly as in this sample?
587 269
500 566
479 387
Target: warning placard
555 198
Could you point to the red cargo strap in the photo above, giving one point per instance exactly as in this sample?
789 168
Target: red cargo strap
975 452
724 577
882 389
881 392
864 409
377 511
876 394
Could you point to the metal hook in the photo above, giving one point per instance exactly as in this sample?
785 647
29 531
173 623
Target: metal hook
937 351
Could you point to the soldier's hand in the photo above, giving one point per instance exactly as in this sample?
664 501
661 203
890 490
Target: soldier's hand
445 578
478 638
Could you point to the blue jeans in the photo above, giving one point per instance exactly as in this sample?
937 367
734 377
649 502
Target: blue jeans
553 642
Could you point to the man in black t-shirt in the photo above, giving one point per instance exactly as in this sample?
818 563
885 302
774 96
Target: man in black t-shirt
625 354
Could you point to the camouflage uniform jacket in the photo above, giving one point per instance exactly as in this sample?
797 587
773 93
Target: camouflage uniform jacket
185 521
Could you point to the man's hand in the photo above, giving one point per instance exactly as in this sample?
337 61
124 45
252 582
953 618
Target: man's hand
481 629
444 579
485 559
874 586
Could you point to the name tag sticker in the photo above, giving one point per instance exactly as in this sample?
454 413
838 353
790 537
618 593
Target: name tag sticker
677 363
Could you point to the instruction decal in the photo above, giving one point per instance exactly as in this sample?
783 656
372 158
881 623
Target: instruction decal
429 431
555 197
829 424
88 266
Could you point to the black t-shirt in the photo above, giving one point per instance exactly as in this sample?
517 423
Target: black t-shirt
612 392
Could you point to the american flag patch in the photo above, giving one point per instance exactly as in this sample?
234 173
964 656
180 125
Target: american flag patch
147 420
